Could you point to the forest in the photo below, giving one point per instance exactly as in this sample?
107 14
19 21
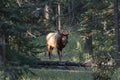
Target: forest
85 34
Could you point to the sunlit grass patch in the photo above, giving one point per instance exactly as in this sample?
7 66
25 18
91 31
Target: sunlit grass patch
49 74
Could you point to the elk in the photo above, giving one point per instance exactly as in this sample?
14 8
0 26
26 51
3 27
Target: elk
57 40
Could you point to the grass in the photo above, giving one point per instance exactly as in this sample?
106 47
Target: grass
49 74
80 74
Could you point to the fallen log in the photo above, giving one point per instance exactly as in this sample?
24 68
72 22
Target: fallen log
57 64
60 63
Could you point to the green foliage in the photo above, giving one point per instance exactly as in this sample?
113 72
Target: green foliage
23 24
116 74
103 73
97 22
20 50
14 72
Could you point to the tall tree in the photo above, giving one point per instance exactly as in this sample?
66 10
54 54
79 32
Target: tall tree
59 23
117 33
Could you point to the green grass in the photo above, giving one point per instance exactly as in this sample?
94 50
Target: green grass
49 74
80 74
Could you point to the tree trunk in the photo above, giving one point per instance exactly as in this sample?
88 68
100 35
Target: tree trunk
69 12
46 11
59 26
5 43
117 39
88 44
72 13
46 14
1 52
3 49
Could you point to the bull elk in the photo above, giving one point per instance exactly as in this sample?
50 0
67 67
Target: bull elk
57 40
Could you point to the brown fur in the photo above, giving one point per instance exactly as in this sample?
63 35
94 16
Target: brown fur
56 40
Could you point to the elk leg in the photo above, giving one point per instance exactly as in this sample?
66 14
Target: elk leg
46 51
59 54
49 51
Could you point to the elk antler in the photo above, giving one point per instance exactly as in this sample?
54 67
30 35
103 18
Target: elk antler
67 30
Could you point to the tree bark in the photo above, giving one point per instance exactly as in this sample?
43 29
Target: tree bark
5 43
46 14
117 34
88 42
3 51
59 22
46 11
88 45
